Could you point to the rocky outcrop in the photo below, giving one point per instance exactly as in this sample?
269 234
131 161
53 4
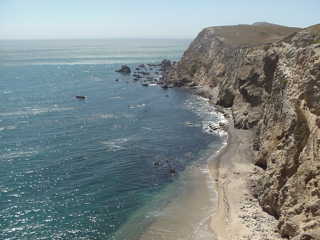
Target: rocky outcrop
124 69
269 75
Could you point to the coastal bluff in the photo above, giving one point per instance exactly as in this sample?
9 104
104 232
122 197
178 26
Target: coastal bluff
269 76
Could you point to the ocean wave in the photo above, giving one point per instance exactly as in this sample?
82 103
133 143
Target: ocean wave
116 97
115 145
95 78
191 124
137 106
4 189
17 154
11 127
211 120
13 230
201 106
111 116
214 127
108 116
35 111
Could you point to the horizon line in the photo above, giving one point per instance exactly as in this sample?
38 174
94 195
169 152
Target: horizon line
100 38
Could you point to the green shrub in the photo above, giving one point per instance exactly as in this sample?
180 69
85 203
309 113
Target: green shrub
194 69
316 41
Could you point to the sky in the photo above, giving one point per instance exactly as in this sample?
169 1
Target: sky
54 19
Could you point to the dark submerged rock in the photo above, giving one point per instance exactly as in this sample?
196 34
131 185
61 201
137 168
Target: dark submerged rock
81 97
173 171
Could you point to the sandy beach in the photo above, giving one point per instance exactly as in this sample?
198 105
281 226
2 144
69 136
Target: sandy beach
237 214
233 213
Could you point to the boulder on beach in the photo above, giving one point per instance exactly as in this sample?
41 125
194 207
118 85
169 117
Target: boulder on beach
124 69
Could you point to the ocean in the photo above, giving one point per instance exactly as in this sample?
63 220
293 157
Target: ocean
100 168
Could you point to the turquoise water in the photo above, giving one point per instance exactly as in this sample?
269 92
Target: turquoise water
81 169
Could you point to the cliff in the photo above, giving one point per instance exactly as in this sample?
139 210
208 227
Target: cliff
269 75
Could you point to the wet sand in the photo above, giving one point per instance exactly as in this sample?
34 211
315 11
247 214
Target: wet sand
187 215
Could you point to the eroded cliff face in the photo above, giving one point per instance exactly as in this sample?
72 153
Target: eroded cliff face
270 78
288 139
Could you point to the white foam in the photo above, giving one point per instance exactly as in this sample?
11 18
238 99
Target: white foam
108 116
115 144
3 189
36 111
137 106
17 154
111 116
10 127
210 117
116 97
12 230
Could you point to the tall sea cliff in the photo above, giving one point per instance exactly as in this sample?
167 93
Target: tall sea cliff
269 76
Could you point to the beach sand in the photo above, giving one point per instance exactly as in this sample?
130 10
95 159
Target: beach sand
237 214
187 215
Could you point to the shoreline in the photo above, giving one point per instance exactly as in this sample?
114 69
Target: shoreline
187 215
238 214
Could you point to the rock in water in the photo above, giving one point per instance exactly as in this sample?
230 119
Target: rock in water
164 86
81 97
124 69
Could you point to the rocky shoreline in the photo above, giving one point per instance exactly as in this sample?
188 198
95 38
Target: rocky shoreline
149 73
271 84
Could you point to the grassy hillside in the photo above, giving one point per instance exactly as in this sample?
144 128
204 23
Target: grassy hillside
252 35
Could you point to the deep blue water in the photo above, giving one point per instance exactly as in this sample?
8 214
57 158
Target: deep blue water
75 169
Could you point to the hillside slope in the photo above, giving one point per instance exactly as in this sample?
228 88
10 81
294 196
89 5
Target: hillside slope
269 76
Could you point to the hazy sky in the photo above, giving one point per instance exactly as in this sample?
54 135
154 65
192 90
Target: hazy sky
142 18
